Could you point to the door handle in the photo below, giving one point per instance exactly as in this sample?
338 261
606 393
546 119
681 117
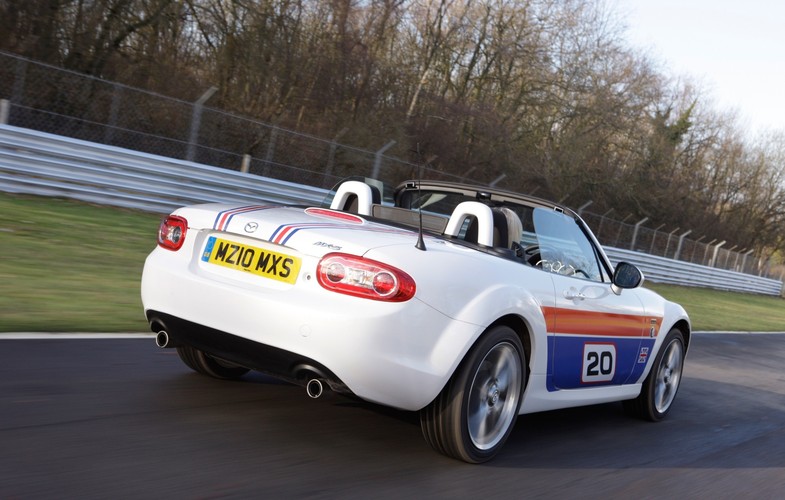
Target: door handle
573 294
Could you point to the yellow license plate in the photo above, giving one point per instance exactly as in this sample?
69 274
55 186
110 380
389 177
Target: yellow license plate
251 259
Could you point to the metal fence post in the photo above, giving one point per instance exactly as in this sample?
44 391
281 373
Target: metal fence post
678 247
727 256
654 238
583 207
635 232
196 121
736 260
716 251
270 154
668 244
377 163
245 167
602 220
114 110
497 180
20 75
5 111
621 226
695 247
744 260
706 252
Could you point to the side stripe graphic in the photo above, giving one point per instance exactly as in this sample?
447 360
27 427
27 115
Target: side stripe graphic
563 321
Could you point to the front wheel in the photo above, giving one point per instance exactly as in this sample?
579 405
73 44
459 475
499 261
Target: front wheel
474 414
201 362
661 385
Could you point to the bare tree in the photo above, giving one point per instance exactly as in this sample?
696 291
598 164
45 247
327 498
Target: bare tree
544 94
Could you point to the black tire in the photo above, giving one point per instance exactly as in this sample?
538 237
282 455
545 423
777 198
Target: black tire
662 383
474 414
205 364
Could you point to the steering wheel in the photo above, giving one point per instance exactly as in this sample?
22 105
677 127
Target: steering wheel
532 255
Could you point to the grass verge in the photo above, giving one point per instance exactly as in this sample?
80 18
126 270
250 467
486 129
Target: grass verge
717 310
71 266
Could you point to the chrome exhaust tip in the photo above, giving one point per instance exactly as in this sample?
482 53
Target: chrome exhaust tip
162 339
314 388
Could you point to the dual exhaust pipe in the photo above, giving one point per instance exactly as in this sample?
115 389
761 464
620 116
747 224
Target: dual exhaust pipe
315 387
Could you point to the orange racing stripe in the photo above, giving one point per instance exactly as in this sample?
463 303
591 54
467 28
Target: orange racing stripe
598 324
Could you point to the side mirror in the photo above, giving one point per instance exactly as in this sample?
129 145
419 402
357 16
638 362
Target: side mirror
626 275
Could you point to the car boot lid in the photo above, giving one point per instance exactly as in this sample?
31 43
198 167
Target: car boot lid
311 231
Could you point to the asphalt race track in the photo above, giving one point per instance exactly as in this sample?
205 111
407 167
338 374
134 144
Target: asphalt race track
120 418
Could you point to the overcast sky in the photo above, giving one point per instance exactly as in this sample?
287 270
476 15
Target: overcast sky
734 49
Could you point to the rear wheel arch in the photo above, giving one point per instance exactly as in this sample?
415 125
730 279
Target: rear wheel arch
518 324
684 328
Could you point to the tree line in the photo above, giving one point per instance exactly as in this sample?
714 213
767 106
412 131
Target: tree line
546 95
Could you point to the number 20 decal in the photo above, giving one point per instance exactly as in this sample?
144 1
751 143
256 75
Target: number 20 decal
599 363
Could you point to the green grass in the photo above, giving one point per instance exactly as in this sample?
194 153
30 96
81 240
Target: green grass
726 311
70 266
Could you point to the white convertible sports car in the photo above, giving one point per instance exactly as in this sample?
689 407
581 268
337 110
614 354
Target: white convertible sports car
470 305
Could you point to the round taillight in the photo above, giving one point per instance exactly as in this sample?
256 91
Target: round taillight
384 283
335 272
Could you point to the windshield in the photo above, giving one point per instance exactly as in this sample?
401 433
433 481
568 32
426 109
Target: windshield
563 246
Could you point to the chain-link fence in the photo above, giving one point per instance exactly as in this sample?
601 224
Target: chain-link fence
676 245
50 99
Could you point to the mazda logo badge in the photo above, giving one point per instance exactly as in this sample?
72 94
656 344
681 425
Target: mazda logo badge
251 227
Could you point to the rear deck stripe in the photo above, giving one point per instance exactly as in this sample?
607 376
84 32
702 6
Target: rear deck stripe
224 217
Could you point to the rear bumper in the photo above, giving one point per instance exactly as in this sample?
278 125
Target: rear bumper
270 360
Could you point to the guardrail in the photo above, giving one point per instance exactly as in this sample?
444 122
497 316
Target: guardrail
38 163
44 164
663 270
